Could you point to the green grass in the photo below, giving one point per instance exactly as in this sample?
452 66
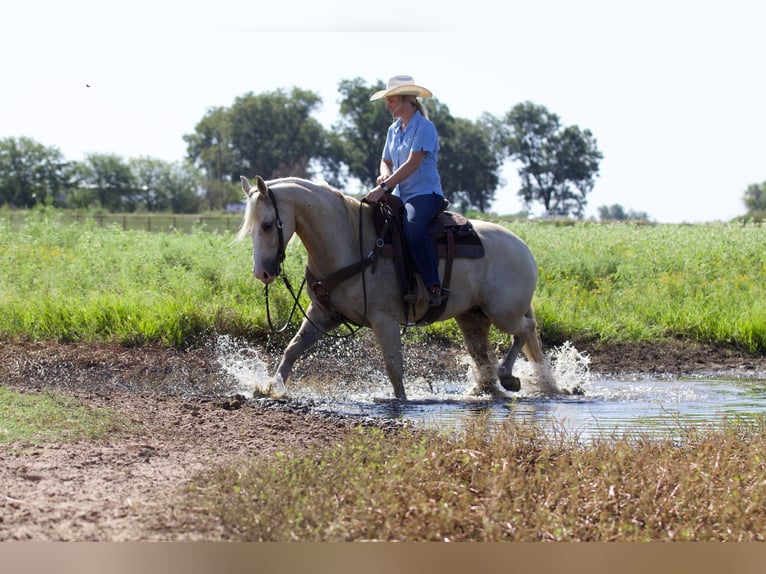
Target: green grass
83 283
628 283
45 417
597 283
515 484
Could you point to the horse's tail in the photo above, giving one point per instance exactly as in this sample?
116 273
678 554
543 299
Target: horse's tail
533 348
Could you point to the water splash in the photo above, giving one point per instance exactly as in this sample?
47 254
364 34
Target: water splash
563 371
246 368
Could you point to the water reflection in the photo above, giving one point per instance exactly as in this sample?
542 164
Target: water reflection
609 407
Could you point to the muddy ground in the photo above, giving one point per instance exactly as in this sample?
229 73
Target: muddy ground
184 419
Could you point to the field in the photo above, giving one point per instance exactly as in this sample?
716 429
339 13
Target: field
597 284
102 439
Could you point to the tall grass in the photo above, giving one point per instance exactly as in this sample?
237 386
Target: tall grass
619 283
83 283
608 283
516 484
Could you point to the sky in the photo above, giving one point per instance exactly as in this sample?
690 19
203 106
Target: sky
674 91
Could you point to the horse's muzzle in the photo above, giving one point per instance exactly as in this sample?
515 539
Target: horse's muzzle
265 278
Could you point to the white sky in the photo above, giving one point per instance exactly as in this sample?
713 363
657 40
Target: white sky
673 90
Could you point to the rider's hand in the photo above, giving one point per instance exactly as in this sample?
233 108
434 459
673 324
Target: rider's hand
375 195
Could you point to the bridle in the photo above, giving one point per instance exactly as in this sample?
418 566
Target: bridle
281 254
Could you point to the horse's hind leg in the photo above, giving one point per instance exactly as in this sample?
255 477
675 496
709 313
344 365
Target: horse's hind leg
526 338
510 381
475 327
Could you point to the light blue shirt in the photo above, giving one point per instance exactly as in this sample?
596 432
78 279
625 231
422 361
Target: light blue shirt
419 135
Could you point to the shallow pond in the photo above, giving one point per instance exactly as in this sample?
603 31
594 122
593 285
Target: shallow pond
609 406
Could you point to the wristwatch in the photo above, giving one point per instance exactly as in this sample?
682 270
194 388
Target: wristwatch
383 186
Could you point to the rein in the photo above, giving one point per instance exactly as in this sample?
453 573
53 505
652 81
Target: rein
344 273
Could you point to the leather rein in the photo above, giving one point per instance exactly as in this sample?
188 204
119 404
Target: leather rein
321 288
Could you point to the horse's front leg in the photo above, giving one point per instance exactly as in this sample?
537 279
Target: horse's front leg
317 323
390 342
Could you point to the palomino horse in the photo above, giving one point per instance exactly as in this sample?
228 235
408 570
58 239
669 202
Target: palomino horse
494 290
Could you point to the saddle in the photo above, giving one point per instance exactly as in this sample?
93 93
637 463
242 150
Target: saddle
452 234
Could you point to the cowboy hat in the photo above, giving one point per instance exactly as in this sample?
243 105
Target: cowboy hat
401 86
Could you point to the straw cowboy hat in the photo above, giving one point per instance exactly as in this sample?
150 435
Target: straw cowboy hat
401 86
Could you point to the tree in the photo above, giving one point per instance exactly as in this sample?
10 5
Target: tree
357 140
147 173
469 164
165 186
617 212
274 135
31 173
558 165
110 180
271 135
755 197
209 147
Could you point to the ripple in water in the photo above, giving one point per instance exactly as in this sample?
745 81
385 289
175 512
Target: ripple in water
608 407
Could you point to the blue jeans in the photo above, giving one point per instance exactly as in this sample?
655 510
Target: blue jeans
419 211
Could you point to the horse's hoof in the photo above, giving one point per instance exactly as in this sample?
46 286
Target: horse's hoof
477 391
511 383
277 389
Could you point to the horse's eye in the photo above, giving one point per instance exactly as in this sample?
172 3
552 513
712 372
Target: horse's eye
267 225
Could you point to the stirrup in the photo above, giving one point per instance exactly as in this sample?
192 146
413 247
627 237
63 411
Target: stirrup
434 297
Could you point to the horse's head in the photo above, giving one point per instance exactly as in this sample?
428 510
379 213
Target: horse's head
269 224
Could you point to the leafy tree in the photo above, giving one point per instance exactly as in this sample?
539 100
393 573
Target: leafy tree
184 186
617 212
270 134
210 145
274 135
31 173
755 202
558 165
755 197
468 163
357 140
165 186
147 173
110 180
210 149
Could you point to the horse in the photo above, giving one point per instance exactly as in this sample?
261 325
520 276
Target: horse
496 289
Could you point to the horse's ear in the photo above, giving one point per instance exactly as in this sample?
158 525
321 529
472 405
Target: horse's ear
260 186
246 186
